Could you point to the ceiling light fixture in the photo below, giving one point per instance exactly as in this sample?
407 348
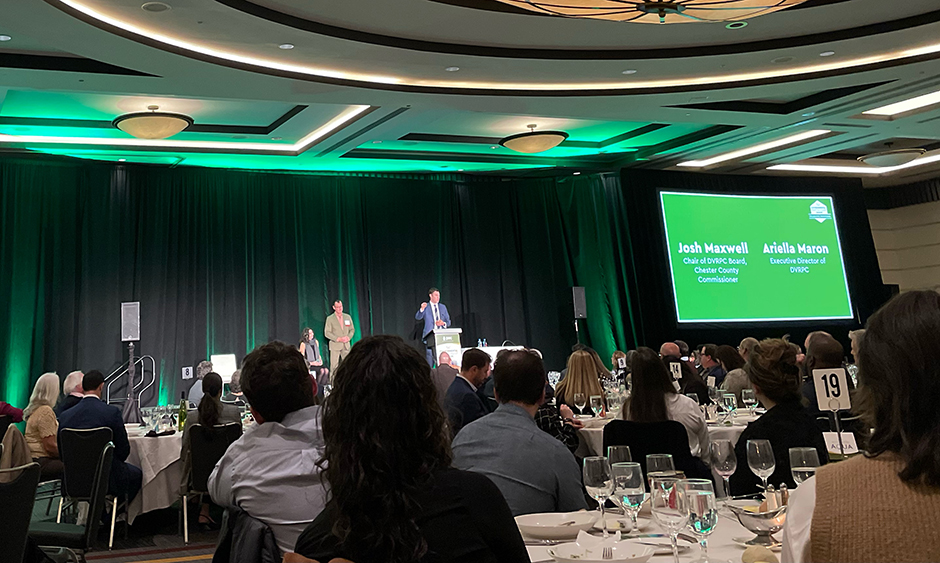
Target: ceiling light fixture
654 11
736 25
152 124
286 46
5 38
629 71
452 68
891 158
533 141
871 170
155 7
906 106
827 53
763 147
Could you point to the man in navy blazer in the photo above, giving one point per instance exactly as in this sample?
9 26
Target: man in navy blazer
92 412
434 315
462 403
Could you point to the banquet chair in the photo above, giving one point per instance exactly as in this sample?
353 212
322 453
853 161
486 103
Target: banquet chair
16 497
667 437
79 451
207 446
78 539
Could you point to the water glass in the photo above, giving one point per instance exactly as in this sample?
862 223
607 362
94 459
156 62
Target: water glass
629 488
597 404
659 466
579 402
749 399
618 454
803 463
598 483
760 458
669 508
724 462
703 510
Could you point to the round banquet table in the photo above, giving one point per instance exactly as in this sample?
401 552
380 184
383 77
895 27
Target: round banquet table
159 460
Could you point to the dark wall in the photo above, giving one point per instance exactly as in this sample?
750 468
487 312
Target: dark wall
655 304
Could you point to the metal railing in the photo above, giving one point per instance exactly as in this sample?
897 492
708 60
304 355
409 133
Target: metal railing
122 369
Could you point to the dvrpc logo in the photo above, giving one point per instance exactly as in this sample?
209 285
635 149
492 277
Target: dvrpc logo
819 212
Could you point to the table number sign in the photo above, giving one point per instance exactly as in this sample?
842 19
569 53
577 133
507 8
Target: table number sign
188 372
849 446
832 390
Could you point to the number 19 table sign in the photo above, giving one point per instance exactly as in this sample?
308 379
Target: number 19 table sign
832 390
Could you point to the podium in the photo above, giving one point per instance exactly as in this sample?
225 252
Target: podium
445 340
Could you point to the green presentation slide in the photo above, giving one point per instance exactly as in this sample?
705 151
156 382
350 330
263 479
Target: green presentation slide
736 258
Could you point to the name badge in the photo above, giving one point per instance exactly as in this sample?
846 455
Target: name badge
348 322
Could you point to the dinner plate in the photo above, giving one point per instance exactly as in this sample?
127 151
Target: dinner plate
555 525
620 551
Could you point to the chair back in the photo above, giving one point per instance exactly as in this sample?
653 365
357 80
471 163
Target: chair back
99 492
5 422
644 438
16 498
207 446
80 452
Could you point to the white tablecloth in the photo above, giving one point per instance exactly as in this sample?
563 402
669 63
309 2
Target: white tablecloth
159 459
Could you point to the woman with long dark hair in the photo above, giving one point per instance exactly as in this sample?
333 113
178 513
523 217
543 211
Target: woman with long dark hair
210 412
654 399
394 496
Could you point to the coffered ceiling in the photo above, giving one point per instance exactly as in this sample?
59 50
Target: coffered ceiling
418 85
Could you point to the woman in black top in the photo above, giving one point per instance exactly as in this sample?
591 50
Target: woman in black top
773 372
394 496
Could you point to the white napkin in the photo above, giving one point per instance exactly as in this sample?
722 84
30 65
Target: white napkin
586 540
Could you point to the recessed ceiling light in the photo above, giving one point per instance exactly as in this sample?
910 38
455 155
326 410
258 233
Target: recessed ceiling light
755 149
122 160
286 46
782 60
809 114
736 25
629 71
906 105
577 173
376 142
493 147
452 68
827 53
155 7
276 138
5 38
460 170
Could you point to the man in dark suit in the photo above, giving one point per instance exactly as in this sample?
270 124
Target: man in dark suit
92 412
462 403
434 315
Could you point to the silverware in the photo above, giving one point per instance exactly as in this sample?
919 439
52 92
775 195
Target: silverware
569 523
607 553
546 542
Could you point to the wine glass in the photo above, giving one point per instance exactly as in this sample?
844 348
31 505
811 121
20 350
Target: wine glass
669 509
729 402
724 462
579 402
598 482
659 465
629 488
760 458
714 394
703 510
749 399
618 454
803 463
692 396
597 404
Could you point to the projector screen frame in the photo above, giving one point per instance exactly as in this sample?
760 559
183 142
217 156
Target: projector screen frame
754 323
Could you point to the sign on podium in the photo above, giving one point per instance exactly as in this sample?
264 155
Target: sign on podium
446 340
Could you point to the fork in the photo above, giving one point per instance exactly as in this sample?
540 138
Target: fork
607 553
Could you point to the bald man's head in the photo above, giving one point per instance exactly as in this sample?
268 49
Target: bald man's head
669 349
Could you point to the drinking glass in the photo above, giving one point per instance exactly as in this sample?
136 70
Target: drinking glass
597 404
803 463
729 402
703 510
629 488
669 509
598 482
760 458
749 399
692 396
724 462
659 465
579 402
714 394
618 454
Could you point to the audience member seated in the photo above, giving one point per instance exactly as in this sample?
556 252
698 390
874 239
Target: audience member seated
462 403
534 471
856 337
72 389
235 395
775 377
211 412
616 371
394 494
582 378
654 399
271 472
746 346
690 382
708 357
15 414
203 368
42 426
735 378
559 423
669 349
882 506
823 352
92 412
443 375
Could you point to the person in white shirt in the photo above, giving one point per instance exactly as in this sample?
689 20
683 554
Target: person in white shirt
271 471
